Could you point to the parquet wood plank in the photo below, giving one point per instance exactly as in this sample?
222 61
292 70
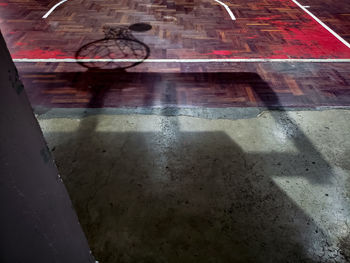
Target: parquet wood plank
183 29
263 29
264 84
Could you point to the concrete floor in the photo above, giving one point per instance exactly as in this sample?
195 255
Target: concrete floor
223 186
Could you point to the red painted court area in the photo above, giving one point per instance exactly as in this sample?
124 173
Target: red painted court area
272 29
273 53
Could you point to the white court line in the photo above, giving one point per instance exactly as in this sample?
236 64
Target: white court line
53 8
170 60
221 3
227 9
322 24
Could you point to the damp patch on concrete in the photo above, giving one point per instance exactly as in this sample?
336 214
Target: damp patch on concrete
233 113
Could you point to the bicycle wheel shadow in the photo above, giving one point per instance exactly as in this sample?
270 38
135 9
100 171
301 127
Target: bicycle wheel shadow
109 56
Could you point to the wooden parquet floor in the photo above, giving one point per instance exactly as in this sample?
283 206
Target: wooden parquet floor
216 85
335 14
180 28
183 29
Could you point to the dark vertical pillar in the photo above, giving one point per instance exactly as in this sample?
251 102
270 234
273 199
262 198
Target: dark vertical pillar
37 221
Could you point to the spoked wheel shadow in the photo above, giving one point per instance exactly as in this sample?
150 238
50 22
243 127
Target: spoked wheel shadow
110 56
119 49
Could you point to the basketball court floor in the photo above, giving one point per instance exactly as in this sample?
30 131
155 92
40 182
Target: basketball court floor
299 51
195 130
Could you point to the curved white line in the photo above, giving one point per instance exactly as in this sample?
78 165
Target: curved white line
322 24
227 9
53 8
228 60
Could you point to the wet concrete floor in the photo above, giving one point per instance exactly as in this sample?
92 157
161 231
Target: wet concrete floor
268 187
